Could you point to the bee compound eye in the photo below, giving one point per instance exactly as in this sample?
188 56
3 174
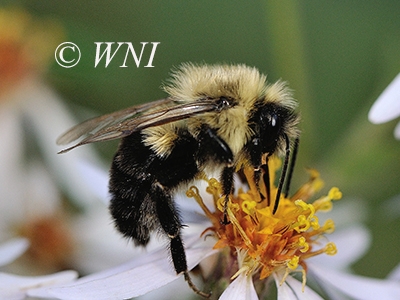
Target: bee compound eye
256 141
273 120
224 102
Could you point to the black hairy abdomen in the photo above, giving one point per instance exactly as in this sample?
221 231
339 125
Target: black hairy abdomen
142 185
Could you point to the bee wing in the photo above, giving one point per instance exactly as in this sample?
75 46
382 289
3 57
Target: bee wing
98 123
122 123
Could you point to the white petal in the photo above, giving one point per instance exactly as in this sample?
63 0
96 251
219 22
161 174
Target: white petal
169 291
347 212
292 289
241 288
352 243
49 118
94 230
129 280
12 249
395 274
358 287
42 197
16 287
96 178
397 131
391 208
387 106
11 171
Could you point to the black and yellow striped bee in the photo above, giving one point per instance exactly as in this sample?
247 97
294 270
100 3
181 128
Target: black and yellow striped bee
216 118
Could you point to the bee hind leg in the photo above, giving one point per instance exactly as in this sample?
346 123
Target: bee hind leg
179 260
171 224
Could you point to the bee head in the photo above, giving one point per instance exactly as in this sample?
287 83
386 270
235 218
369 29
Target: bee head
271 122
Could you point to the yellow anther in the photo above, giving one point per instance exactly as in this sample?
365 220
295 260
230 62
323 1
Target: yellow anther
314 222
324 204
293 263
304 246
248 207
305 206
329 226
301 204
330 248
192 192
335 194
303 224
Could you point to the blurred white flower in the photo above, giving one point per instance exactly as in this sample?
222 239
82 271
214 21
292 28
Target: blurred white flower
34 179
387 106
12 249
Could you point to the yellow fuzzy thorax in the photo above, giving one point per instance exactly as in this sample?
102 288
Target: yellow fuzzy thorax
245 85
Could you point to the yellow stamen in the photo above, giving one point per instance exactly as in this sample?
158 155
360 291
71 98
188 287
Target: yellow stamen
329 226
264 242
330 249
239 228
303 244
335 194
293 263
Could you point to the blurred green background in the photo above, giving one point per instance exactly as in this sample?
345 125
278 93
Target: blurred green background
337 56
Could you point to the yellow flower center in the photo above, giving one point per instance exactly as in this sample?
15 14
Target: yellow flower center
265 242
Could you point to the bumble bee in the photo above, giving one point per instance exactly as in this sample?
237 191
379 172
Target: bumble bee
216 118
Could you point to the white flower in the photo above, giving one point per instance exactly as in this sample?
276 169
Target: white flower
18 287
387 106
153 270
241 288
132 279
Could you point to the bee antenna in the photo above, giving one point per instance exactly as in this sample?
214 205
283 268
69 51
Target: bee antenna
283 174
291 167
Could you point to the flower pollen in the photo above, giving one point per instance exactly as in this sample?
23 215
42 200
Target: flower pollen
264 242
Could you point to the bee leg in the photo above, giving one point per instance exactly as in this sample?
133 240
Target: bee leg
256 177
179 260
133 211
213 147
267 182
255 159
171 224
165 209
227 189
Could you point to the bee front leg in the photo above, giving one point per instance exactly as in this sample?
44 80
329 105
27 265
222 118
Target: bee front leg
227 189
214 149
255 151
